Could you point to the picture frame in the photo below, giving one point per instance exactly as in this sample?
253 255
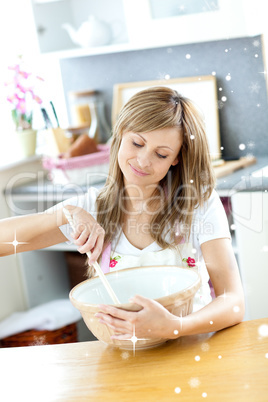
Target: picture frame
225 22
202 90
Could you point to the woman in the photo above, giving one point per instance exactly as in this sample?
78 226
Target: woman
158 207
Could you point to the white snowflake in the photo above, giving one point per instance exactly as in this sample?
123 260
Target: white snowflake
163 76
203 175
134 340
39 340
205 347
256 43
220 104
251 144
15 242
194 382
125 355
254 87
263 330
224 296
249 155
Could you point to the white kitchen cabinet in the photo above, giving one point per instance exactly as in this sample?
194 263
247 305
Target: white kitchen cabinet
250 214
50 15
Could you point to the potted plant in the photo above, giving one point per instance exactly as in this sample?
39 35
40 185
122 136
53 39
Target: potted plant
23 98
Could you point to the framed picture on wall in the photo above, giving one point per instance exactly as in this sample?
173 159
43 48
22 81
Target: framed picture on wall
174 22
201 90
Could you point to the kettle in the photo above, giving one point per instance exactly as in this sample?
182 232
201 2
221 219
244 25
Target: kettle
92 32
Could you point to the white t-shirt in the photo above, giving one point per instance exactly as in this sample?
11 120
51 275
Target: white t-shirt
209 222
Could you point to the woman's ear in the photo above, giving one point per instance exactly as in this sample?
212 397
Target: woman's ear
175 162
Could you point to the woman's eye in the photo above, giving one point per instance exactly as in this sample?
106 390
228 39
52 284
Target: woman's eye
140 145
161 156
136 145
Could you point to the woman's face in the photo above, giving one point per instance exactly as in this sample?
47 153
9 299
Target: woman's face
145 158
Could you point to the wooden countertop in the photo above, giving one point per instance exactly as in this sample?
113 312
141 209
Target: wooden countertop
233 366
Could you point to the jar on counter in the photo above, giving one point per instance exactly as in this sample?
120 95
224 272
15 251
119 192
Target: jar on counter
87 109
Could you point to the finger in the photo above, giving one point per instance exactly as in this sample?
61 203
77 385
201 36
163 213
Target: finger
141 300
82 238
118 313
88 244
122 337
115 327
77 230
115 323
92 242
97 249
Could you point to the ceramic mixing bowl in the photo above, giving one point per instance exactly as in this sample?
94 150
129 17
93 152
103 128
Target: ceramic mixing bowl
173 287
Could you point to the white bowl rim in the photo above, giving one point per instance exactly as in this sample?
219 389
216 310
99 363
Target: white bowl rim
194 287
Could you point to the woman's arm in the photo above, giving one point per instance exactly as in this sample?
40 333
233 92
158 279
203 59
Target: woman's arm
225 310
31 232
41 230
228 307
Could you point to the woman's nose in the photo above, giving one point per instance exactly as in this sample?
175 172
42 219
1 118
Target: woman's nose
143 159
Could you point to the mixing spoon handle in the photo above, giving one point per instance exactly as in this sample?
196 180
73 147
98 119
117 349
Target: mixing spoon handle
95 265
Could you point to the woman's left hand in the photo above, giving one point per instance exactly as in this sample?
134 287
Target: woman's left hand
152 321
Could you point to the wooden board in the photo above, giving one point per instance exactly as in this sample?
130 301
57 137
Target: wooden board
231 166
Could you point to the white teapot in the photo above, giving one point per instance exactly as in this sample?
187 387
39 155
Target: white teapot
91 33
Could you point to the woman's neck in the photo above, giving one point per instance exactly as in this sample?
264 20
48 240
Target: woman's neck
140 199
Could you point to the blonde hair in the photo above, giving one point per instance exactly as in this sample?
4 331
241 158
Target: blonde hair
186 185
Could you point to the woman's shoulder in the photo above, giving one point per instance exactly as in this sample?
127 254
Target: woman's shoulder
210 221
213 203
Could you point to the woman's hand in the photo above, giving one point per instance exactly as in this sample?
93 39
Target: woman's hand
153 321
87 233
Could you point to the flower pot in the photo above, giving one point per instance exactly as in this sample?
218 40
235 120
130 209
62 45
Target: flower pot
27 142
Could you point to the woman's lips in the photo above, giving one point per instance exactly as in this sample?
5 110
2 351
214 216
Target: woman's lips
138 172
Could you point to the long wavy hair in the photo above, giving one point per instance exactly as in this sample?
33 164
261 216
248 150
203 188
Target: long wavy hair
186 185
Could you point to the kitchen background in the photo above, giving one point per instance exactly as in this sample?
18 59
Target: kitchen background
225 38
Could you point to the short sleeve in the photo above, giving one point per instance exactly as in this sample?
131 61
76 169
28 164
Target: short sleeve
86 201
210 222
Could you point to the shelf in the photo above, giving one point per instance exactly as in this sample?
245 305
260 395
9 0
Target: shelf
93 51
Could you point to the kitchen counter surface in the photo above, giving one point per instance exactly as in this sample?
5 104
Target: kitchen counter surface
231 364
240 180
251 178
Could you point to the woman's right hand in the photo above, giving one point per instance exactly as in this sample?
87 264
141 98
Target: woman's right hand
87 233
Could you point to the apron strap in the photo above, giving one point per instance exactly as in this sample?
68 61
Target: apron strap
105 259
